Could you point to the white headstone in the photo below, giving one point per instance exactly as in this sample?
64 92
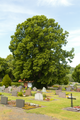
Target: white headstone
38 96
0 89
44 89
34 88
29 84
10 88
3 87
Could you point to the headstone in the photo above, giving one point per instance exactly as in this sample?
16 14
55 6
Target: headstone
58 91
72 98
29 84
20 103
28 92
6 90
78 89
38 96
10 89
39 92
68 89
3 87
62 94
34 88
20 87
4 100
14 93
44 89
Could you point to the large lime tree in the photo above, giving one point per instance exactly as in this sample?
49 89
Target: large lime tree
37 49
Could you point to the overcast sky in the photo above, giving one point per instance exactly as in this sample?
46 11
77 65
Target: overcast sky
65 12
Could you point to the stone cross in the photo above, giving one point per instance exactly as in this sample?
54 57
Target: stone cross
71 99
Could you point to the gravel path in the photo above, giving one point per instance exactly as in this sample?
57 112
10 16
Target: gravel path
14 113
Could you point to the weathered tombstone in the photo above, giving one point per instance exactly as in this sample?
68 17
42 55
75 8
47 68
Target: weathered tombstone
38 96
14 93
20 87
58 91
43 89
20 103
62 94
28 92
78 89
4 100
70 97
68 89
6 90
34 88
3 87
10 89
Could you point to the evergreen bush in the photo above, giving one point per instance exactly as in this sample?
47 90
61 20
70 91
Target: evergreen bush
6 81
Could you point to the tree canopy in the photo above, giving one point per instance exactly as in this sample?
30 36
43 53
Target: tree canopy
37 50
76 74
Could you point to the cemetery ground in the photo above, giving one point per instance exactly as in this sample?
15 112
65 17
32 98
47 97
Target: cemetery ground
54 108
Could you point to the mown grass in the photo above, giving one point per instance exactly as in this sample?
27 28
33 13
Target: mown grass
53 108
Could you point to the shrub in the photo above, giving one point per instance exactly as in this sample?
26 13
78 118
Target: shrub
25 88
0 93
20 94
33 94
44 96
16 83
63 89
0 83
6 81
67 93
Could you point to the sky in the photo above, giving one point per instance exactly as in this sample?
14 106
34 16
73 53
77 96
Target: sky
65 12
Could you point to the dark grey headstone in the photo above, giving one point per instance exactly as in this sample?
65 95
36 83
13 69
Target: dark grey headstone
20 103
68 89
4 100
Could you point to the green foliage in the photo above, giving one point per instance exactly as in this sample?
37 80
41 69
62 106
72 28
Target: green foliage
20 94
67 93
33 94
44 96
3 67
16 83
0 93
6 80
63 89
0 83
76 74
25 88
37 50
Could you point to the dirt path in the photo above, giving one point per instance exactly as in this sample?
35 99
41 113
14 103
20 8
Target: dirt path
14 113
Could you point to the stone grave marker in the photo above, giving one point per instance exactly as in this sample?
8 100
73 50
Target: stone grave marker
43 89
68 89
38 96
34 88
20 103
10 89
20 87
62 94
4 100
3 87
14 93
78 89
28 93
6 90
72 98
58 91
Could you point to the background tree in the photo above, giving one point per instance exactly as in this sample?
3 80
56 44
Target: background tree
10 67
76 74
3 67
37 50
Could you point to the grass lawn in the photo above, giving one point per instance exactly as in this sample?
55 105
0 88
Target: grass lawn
53 108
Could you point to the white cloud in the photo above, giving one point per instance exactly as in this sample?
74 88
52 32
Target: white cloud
54 2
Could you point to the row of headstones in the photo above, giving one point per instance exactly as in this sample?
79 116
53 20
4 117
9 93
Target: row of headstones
43 89
19 102
60 93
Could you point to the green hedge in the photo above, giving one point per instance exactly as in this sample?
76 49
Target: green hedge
16 83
